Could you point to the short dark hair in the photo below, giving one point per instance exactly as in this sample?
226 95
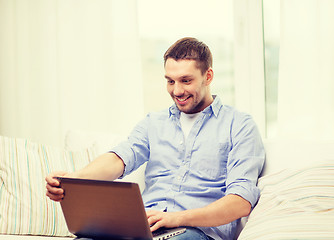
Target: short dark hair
192 49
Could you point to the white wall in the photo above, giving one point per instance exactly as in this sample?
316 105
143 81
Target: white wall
68 65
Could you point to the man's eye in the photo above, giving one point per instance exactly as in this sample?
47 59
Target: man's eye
170 82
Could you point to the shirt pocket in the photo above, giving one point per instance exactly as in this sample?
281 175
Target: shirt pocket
209 161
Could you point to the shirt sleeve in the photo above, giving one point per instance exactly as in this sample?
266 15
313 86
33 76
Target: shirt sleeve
135 150
246 159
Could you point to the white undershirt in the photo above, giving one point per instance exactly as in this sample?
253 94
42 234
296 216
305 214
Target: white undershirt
187 121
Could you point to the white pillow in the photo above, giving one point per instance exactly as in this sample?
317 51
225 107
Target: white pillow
24 207
294 204
102 142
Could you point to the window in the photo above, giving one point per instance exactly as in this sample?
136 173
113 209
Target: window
271 19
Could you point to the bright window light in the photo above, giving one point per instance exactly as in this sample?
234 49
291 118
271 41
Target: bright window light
161 23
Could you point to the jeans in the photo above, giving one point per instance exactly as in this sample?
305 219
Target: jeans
192 234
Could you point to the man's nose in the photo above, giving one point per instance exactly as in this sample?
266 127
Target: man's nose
178 89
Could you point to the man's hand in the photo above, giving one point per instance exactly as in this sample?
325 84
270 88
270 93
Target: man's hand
52 186
220 212
158 219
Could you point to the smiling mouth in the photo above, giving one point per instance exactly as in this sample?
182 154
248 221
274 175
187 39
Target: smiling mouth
182 100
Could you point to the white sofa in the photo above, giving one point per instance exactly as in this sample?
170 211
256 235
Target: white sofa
297 187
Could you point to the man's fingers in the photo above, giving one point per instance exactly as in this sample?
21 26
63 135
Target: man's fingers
53 191
152 220
155 227
152 216
52 180
157 219
53 197
155 223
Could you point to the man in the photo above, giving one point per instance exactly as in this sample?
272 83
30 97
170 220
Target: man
203 158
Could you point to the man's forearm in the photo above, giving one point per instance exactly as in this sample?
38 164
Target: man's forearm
107 166
220 212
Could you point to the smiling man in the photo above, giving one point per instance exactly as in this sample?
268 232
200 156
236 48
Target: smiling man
203 157
186 84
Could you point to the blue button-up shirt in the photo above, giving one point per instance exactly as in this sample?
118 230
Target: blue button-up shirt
223 154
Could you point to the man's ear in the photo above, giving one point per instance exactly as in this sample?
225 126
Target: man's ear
209 76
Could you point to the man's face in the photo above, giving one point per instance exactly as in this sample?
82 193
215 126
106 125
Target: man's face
187 86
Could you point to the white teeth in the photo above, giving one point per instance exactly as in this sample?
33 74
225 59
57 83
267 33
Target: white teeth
181 99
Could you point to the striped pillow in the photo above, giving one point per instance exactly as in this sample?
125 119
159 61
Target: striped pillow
294 205
24 207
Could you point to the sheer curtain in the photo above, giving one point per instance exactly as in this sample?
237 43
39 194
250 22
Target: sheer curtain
68 65
306 70
249 60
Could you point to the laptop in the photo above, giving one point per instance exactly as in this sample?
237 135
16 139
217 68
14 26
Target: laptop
107 210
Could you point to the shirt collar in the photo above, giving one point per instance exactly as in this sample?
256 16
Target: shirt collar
214 108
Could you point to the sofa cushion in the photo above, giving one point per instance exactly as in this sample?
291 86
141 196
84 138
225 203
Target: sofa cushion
24 207
294 204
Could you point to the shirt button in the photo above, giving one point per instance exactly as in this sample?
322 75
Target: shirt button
181 142
179 178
